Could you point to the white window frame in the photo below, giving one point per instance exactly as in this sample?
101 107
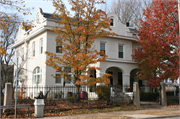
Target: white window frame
35 75
105 52
33 49
41 46
122 51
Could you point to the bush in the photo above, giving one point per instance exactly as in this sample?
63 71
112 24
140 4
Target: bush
149 96
71 99
103 92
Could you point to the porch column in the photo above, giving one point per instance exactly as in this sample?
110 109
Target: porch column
126 81
99 74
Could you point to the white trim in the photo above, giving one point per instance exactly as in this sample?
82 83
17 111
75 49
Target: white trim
45 27
120 60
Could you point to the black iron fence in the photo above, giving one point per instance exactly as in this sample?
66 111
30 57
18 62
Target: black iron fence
63 98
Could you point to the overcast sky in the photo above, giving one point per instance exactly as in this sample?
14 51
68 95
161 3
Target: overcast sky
47 6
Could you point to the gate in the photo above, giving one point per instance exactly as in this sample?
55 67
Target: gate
151 98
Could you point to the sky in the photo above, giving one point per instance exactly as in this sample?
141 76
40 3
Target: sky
47 6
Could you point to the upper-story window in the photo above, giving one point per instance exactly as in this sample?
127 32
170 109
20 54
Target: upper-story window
112 22
33 48
41 46
121 54
103 47
58 46
22 54
37 76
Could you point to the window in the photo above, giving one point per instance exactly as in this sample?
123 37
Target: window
68 79
23 54
37 76
41 46
58 45
68 69
112 22
102 47
33 48
58 78
120 51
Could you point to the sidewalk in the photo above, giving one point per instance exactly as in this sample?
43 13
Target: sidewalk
132 114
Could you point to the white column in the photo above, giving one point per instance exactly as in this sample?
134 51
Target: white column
99 74
126 81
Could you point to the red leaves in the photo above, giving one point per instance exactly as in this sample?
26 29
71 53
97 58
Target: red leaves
159 41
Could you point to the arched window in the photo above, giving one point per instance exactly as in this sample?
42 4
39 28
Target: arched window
37 76
112 22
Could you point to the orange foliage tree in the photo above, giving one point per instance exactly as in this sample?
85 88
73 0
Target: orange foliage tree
76 33
7 17
158 54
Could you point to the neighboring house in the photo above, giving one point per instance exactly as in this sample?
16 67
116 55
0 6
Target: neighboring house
32 44
7 77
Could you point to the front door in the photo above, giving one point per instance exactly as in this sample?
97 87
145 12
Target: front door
111 77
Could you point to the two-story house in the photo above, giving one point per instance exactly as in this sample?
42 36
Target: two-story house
32 44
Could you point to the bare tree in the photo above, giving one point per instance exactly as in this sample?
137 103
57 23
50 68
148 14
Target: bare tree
7 61
129 10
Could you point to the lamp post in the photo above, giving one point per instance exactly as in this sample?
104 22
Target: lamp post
16 87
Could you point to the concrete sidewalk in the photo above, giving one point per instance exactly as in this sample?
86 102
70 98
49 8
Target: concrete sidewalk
132 114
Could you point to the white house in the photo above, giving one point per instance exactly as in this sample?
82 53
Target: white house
32 44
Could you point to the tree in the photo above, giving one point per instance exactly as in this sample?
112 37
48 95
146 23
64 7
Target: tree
76 34
7 39
129 10
158 54
7 19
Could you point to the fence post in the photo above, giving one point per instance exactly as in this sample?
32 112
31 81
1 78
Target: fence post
136 99
163 94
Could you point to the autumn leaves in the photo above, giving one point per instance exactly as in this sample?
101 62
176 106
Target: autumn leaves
76 33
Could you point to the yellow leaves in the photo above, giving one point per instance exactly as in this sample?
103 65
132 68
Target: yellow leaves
79 82
2 51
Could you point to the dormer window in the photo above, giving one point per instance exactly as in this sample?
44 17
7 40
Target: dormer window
112 22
